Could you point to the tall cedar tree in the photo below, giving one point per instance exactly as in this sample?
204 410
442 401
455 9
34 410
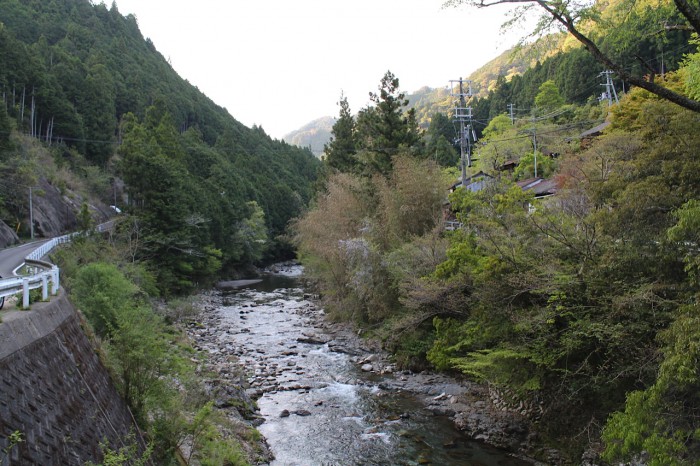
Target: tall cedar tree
384 129
340 150
440 134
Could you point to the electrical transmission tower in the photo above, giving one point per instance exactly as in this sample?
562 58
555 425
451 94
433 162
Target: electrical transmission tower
609 88
511 113
463 115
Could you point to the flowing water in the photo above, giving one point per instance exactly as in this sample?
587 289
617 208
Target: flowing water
319 407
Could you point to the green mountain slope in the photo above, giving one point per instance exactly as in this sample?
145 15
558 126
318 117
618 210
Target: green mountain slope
82 79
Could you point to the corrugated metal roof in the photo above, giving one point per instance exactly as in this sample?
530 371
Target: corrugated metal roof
539 186
596 130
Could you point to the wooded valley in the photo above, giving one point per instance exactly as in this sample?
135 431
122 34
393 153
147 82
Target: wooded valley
563 271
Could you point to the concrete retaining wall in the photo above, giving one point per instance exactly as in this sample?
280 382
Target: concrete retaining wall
55 390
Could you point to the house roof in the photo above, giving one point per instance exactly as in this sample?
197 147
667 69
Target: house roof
596 130
539 186
508 165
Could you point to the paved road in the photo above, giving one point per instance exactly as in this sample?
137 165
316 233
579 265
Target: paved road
12 258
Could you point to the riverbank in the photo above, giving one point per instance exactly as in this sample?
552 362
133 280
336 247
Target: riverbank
272 366
225 382
469 405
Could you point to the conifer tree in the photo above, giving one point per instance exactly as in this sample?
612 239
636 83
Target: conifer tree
384 129
439 146
340 150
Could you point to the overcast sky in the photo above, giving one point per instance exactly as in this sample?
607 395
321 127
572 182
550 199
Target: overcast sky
282 63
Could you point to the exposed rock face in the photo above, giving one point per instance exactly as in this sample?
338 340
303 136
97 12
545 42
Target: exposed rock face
56 214
52 215
7 236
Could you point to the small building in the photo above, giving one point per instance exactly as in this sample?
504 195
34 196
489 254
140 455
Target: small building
588 136
473 183
541 187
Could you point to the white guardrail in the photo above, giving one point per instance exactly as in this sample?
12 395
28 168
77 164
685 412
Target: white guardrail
40 273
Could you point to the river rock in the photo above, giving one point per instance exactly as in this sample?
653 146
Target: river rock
302 412
367 368
450 444
497 429
336 348
314 339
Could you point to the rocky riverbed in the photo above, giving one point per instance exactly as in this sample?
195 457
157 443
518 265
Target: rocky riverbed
320 394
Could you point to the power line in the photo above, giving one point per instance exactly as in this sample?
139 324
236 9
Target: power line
553 131
96 141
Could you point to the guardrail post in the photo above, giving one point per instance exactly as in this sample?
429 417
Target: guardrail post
25 293
54 280
45 286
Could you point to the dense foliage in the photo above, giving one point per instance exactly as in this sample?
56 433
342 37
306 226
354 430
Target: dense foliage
581 305
82 79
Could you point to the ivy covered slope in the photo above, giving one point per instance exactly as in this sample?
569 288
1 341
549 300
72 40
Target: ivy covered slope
204 190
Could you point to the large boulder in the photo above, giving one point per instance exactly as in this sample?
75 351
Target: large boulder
8 237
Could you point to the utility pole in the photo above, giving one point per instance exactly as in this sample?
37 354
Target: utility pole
534 143
463 115
534 140
609 88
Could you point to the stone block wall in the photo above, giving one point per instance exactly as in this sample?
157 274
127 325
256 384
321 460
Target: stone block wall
55 390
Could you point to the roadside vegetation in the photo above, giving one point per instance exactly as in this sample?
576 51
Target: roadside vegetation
143 344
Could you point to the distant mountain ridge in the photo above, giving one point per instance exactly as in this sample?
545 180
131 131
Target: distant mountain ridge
313 135
427 101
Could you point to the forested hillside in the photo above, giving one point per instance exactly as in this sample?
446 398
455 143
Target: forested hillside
203 191
94 114
563 273
514 77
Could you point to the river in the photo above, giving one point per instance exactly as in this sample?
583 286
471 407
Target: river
319 406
